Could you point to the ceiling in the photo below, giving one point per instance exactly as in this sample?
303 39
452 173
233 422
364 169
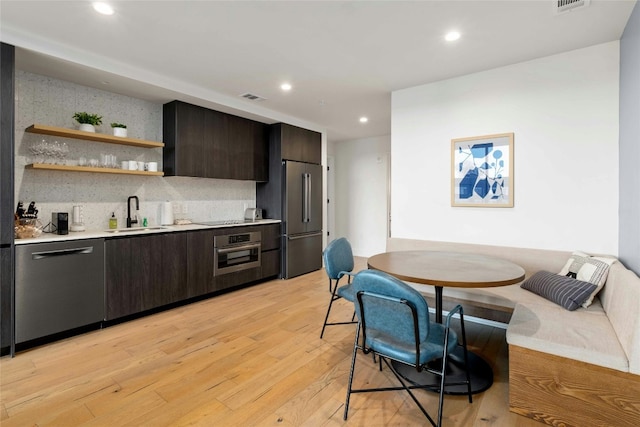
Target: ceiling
343 58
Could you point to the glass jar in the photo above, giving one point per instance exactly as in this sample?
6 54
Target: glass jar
27 228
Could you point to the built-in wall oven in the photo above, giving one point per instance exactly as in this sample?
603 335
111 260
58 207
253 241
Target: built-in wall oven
236 252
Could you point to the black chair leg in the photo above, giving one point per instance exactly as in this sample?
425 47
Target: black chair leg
351 372
333 298
443 373
408 389
466 357
443 376
442 383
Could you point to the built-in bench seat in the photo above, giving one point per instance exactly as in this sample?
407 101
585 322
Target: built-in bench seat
573 368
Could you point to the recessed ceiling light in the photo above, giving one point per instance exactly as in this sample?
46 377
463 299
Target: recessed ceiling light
452 36
285 86
103 8
364 119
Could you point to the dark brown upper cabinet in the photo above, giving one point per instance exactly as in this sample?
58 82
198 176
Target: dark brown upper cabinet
210 144
297 144
286 142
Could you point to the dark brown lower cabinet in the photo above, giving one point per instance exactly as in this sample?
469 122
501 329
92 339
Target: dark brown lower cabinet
122 293
200 279
144 272
271 237
163 262
270 264
271 242
238 278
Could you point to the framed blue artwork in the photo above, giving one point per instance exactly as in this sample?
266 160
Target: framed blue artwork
482 171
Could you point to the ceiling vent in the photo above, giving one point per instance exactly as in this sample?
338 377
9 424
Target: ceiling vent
252 97
562 6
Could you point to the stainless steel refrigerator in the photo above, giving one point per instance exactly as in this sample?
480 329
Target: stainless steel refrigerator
302 218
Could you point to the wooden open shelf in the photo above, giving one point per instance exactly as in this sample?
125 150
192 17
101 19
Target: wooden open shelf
90 136
45 166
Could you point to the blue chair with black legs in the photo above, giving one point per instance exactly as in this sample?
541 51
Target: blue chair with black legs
394 324
338 262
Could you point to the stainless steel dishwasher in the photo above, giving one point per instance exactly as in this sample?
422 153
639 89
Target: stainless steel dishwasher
59 286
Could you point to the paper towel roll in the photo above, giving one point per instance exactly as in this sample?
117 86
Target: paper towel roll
77 219
166 213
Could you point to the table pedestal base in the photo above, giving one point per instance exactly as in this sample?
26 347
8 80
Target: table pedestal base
480 373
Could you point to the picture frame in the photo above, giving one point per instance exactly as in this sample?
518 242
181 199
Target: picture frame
482 171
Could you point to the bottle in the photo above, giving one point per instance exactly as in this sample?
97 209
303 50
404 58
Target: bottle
113 221
145 223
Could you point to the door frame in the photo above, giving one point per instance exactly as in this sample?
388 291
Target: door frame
331 191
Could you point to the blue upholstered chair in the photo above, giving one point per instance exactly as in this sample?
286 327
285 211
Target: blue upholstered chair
338 262
394 324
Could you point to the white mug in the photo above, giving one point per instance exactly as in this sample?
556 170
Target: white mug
151 166
140 166
125 165
133 165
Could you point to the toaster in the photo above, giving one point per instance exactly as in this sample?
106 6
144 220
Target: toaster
252 214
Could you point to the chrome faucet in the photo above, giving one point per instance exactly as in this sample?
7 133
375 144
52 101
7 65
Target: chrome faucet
131 221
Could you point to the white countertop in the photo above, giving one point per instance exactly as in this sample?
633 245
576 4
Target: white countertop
135 231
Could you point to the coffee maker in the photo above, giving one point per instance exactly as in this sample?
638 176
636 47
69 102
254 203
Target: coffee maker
60 222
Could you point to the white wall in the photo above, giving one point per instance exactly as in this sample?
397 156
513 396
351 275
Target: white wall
563 110
361 189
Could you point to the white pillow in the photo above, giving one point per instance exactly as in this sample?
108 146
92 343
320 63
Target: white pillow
588 268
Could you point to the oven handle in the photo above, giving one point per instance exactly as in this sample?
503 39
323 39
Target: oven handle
238 248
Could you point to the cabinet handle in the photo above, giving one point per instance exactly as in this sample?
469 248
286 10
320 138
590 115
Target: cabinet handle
306 197
304 236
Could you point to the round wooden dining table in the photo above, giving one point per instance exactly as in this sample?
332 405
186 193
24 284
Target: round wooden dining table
449 269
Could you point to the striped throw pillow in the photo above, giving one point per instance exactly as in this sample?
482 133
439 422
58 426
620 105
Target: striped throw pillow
566 291
590 269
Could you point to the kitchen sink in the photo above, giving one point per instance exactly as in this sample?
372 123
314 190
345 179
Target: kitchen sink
136 229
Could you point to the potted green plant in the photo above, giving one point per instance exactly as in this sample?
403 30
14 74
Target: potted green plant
87 121
119 129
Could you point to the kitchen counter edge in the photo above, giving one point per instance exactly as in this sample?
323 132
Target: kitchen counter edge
103 234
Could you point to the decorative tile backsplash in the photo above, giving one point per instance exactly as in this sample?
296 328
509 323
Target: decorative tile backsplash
48 101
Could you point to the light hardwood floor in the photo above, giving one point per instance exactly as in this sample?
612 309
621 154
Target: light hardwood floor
252 357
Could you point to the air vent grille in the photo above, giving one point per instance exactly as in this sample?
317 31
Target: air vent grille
252 97
569 5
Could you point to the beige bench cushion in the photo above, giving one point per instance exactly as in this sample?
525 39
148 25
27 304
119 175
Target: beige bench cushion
621 300
584 334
